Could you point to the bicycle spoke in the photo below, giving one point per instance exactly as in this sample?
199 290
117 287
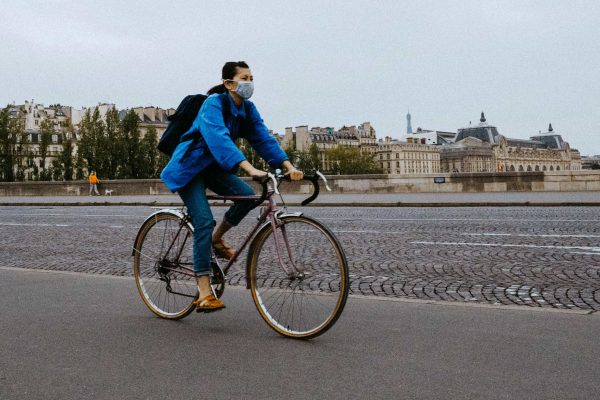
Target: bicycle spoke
307 305
157 255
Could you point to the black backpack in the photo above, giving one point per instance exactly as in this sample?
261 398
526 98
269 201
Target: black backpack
180 122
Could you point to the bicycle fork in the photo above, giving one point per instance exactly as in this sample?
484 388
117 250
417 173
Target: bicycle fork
294 272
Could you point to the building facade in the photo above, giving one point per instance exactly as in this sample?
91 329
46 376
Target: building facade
65 121
303 139
407 158
481 148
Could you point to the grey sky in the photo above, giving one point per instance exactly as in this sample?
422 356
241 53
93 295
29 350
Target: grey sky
321 63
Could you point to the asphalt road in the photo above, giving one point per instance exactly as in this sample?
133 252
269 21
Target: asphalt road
545 257
84 336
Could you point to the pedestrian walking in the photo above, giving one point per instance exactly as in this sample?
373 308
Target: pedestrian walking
94 181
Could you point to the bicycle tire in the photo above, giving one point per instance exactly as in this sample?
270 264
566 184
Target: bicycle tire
152 279
300 307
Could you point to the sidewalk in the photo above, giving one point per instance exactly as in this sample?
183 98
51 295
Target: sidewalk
488 199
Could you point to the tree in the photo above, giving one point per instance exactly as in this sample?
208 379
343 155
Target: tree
133 163
310 161
112 143
351 161
22 155
66 159
57 170
32 166
162 162
91 130
7 147
80 165
150 154
46 132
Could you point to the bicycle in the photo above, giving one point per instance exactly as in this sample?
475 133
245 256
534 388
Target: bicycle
296 269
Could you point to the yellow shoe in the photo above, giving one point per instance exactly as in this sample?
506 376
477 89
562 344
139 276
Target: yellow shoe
208 304
222 249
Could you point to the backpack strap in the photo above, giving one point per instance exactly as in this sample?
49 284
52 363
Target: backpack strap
226 109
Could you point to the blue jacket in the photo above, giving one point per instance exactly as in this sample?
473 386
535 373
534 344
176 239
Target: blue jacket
216 143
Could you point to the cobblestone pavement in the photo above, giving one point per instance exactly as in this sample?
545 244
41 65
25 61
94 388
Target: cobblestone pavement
545 257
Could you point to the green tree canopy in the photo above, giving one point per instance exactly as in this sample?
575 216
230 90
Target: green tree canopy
91 131
311 160
133 164
351 161
8 142
46 132
150 154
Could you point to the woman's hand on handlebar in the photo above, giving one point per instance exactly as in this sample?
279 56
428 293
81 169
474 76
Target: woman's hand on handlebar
292 172
250 170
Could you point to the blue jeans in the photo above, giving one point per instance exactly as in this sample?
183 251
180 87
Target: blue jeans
194 197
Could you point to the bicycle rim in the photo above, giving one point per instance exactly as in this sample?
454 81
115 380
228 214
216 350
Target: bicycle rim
166 291
306 305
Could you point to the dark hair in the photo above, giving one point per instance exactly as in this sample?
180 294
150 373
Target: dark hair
228 72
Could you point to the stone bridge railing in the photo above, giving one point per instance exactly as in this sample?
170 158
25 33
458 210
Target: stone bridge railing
558 181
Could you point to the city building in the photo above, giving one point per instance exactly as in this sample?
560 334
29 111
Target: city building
481 148
151 117
65 122
591 162
475 148
302 139
412 157
426 136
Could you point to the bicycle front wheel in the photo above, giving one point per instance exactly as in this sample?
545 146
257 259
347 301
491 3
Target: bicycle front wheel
163 266
298 277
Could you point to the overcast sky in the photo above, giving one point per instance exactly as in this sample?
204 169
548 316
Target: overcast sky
321 63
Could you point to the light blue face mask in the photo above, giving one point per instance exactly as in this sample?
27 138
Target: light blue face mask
245 89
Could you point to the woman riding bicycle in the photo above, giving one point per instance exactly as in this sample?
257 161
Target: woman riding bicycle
211 161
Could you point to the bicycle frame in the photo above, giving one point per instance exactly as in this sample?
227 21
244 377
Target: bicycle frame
270 212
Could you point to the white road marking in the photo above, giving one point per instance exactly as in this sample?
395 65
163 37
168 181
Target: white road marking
529 235
56 225
457 219
18 224
488 234
588 248
82 215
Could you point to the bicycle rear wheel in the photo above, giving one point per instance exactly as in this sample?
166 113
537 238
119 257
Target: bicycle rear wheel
163 248
301 292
